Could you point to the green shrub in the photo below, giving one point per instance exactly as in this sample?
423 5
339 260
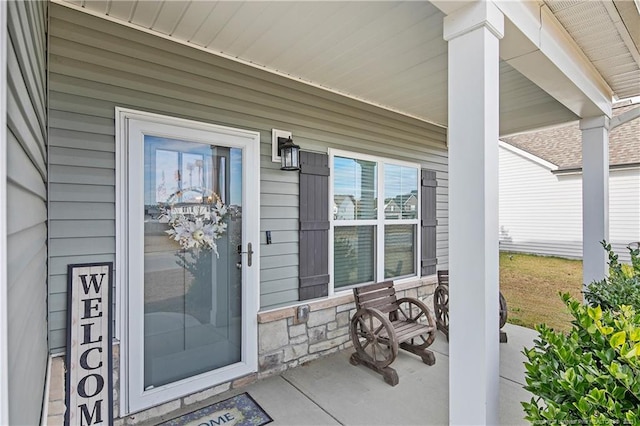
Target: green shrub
589 376
621 287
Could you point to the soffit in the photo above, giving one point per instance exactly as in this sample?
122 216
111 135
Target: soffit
390 54
608 34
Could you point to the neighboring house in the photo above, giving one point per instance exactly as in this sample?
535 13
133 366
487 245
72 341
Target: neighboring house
392 209
411 204
344 207
403 205
127 120
541 190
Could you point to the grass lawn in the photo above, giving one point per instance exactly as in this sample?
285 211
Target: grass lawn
531 285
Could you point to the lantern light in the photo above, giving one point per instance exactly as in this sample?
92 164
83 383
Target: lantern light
289 154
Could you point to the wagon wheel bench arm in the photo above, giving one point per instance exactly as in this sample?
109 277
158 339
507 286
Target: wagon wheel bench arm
385 324
424 311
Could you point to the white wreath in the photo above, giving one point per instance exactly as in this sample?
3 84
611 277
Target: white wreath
200 230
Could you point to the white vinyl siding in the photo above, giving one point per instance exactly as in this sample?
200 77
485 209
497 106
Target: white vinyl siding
624 206
26 159
96 65
541 212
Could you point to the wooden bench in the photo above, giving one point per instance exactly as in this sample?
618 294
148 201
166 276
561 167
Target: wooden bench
441 306
382 324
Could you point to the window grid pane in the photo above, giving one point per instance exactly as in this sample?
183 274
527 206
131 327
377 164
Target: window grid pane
355 189
354 252
400 192
399 250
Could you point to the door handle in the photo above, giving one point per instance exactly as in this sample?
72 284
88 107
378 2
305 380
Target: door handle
249 253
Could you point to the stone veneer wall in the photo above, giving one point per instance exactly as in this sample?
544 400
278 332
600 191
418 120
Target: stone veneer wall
283 343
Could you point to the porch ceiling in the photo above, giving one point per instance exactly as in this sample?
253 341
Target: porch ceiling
608 32
390 54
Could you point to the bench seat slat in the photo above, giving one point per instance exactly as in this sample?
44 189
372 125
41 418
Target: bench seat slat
373 287
408 330
381 303
386 309
376 295
410 327
390 298
443 277
414 333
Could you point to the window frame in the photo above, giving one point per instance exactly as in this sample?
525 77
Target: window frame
379 223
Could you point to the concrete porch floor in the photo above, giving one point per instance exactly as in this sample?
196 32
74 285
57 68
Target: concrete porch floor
330 391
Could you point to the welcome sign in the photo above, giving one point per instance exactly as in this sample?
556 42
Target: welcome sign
88 382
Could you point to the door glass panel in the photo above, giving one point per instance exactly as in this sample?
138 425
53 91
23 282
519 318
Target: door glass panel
192 269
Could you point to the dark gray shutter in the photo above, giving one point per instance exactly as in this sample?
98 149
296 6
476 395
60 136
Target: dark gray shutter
428 210
314 225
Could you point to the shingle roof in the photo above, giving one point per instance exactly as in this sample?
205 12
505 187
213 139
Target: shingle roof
562 145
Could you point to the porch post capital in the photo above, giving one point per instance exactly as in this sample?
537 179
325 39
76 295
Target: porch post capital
480 14
598 122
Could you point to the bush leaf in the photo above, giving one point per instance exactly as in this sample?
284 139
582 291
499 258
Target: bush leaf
592 374
618 339
595 313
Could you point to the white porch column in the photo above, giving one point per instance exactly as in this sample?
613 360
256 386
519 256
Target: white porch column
473 34
595 197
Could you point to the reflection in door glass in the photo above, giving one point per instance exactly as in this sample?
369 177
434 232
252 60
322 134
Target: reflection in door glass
192 270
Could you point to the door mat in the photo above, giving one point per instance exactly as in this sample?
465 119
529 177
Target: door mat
240 410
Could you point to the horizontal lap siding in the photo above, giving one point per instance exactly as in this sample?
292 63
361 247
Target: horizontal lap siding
97 65
442 218
624 204
541 212
26 157
624 210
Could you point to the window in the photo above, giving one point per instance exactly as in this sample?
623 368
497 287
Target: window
375 219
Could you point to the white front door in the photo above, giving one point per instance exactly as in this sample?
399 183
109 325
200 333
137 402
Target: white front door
192 231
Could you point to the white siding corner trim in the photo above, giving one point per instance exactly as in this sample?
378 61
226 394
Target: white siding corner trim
4 388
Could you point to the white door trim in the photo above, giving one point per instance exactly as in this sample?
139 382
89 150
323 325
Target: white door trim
127 120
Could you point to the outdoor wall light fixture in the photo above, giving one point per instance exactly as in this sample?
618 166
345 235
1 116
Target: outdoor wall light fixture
289 154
